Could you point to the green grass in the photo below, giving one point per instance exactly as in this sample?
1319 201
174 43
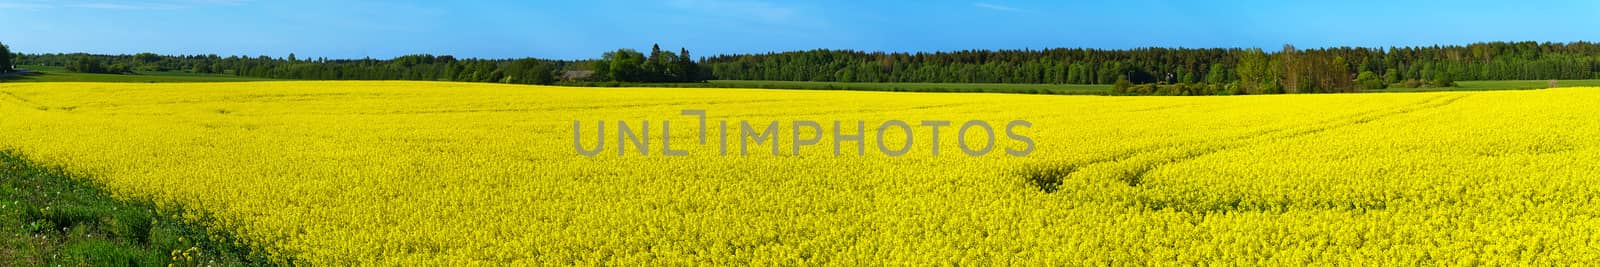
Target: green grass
1057 89
1492 85
59 74
53 219
1523 84
929 87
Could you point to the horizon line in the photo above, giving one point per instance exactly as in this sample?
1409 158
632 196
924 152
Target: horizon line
1264 49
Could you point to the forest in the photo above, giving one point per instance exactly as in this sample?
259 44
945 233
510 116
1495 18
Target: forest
622 65
1289 70
1140 71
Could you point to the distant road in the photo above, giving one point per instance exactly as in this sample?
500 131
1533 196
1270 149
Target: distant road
16 72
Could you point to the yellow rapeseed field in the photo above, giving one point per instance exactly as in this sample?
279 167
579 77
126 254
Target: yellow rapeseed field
403 173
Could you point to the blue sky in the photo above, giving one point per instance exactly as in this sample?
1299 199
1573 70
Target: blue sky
584 29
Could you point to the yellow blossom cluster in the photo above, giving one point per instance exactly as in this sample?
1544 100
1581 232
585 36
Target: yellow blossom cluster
435 173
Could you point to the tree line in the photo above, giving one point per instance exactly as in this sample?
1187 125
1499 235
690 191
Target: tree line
622 65
1131 71
1253 71
633 66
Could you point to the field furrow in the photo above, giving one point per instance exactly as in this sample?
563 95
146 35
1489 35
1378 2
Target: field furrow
431 173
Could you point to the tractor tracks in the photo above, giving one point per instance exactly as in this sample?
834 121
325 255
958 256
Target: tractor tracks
25 101
1131 167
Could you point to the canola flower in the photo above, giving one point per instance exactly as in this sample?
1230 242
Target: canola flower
431 173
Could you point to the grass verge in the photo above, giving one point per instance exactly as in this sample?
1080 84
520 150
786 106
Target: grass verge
53 219
1048 89
59 74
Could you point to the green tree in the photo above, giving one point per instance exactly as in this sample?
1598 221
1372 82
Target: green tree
626 65
1442 81
1122 85
542 73
1336 76
5 58
86 64
652 69
529 71
1368 80
602 71
146 57
845 75
1411 83
688 70
1216 74
1254 71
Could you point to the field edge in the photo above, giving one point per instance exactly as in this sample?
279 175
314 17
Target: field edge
63 220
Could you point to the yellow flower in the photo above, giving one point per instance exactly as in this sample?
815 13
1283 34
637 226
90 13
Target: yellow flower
433 173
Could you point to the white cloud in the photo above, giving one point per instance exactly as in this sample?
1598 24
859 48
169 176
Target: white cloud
997 7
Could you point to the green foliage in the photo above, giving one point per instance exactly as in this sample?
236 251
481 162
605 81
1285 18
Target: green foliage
1057 89
1257 72
59 74
146 58
1412 83
1514 85
86 65
1049 89
529 71
98 252
1254 71
685 67
1490 85
5 58
1181 89
1217 74
627 65
410 67
1368 80
1302 70
1121 86
66 222
845 75
1233 89
1272 88
1442 81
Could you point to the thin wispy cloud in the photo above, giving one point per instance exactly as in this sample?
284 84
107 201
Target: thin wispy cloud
1000 8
